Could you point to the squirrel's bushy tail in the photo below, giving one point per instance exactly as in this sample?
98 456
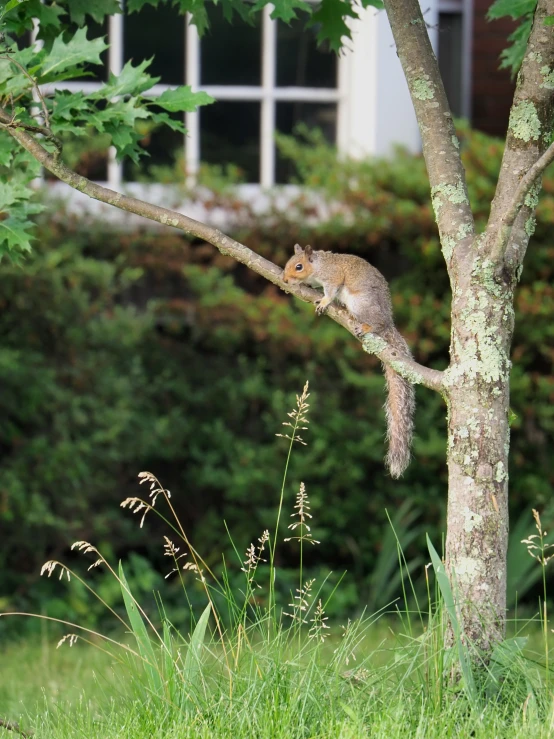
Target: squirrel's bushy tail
399 408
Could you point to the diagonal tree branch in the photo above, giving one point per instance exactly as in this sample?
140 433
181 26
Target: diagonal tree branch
371 343
529 131
46 132
523 189
440 144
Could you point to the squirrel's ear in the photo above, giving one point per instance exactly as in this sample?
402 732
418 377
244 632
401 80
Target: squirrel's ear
308 251
298 249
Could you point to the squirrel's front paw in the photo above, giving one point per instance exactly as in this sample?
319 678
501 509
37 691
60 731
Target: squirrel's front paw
321 307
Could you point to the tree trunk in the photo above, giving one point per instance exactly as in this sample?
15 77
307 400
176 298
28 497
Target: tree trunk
477 395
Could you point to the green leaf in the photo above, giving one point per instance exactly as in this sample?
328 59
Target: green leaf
48 16
193 664
97 9
549 20
182 99
450 605
17 200
170 672
131 81
63 56
10 6
70 112
167 120
512 57
284 10
373 4
133 150
198 13
6 149
125 142
134 6
144 644
66 104
514 8
243 10
119 119
12 80
15 234
331 18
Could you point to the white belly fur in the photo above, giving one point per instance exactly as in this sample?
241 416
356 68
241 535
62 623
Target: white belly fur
348 299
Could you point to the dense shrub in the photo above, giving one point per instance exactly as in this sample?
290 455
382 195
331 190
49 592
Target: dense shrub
125 351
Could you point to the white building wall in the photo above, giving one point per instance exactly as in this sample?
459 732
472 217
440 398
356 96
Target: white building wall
375 109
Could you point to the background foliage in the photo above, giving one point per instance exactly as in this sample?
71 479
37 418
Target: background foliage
129 350
71 46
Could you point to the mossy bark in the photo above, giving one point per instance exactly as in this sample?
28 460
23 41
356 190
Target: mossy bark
477 395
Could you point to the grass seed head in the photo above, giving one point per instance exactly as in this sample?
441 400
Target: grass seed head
156 487
298 416
170 550
72 638
51 565
536 544
317 630
302 512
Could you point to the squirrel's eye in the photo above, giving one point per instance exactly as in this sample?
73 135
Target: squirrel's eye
299 267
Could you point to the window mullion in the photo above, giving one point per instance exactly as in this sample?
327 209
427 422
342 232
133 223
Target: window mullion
115 63
267 132
192 120
35 110
467 57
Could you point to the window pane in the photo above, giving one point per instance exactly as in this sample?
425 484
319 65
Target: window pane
314 115
157 32
230 134
450 58
230 54
165 149
88 156
300 62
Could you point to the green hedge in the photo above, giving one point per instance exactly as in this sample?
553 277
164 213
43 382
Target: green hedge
126 351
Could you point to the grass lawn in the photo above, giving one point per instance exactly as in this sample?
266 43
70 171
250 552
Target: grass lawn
274 675
392 689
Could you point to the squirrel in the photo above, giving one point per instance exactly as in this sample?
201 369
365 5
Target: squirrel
364 291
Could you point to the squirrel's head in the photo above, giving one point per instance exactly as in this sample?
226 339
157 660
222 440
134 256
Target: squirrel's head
300 265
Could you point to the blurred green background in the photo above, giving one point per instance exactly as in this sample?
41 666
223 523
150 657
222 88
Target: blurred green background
129 350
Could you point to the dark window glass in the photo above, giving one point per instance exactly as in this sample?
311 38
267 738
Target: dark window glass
450 58
230 133
230 54
314 115
86 155
164 147
300 62
24 40
92 163
157 32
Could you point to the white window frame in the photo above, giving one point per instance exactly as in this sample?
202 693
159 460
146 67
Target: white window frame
268 94
362 77
465 9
